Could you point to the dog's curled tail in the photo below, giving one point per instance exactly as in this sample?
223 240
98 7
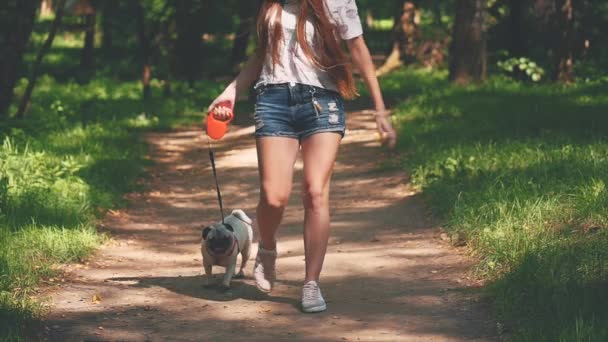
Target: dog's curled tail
240 214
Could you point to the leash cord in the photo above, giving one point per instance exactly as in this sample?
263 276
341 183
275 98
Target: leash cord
217 185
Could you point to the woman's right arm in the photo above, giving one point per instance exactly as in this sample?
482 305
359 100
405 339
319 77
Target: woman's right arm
249 73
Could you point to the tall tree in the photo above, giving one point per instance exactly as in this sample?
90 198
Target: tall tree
247 13
108 20
25 99
87 56
564 50
188 47
145 49
406 36
17 19
468 56
517 10
557 19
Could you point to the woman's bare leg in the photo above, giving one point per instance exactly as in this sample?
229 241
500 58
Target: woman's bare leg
319 154
276 159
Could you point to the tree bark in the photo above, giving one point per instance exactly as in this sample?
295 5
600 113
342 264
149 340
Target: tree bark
565 44
41 53
144 51
17 21
87 56
108 13
468 56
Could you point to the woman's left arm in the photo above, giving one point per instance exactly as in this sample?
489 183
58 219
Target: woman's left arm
363 61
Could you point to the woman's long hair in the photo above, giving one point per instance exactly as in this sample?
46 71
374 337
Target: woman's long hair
328 56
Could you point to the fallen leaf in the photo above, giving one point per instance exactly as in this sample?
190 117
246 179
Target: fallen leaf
96 299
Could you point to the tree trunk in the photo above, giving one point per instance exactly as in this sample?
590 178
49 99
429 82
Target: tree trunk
36 68
565 45
86 59
436 9
406 38
188 47
144 51
516 18
15 29
468 57
108 13
247 12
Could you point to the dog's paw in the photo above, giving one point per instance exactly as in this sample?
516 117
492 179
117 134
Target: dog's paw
240 275
224 288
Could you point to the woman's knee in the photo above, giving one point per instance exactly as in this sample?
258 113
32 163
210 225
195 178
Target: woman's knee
315 197
275 199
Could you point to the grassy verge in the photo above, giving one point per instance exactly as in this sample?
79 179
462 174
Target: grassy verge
74 156
522 172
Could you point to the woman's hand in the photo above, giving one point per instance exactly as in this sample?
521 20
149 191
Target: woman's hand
219 107
363 60
249 73
385 129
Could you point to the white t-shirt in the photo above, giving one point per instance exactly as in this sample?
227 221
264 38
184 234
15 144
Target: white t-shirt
295 66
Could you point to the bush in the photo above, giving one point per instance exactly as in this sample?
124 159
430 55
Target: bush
522 69
520 171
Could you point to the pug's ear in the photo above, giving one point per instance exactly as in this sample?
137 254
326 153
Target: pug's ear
229 227
206 231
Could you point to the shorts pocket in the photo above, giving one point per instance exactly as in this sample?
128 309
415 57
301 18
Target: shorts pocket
259 91
330 110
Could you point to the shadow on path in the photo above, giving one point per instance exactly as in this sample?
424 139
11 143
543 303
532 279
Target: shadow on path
387 276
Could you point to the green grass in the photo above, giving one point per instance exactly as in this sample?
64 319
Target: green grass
73 157
522 172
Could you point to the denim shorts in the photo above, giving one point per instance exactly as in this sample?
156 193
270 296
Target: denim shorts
297 111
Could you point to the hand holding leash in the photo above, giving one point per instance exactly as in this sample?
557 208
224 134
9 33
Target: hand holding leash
218 119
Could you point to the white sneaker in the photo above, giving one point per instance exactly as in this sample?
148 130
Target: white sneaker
312 300
264 269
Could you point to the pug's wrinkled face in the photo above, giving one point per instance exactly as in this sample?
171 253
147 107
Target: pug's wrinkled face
218 237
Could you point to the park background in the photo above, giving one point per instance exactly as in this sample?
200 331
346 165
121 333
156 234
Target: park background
501 108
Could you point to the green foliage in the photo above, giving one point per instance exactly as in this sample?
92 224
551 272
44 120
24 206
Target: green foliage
521 172
522 68
75 155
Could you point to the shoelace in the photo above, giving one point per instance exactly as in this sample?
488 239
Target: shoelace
311 291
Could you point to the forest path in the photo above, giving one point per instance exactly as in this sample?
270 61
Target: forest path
387 275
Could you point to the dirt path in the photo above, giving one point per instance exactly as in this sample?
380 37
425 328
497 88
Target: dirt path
387 275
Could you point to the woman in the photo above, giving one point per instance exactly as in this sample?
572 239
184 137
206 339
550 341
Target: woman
302 76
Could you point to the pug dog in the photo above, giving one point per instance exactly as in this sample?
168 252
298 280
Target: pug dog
221 243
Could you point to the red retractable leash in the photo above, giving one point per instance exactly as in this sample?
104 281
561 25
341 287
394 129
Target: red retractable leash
216 129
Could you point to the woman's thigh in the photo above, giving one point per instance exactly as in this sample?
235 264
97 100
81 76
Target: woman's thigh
276 159
319 152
